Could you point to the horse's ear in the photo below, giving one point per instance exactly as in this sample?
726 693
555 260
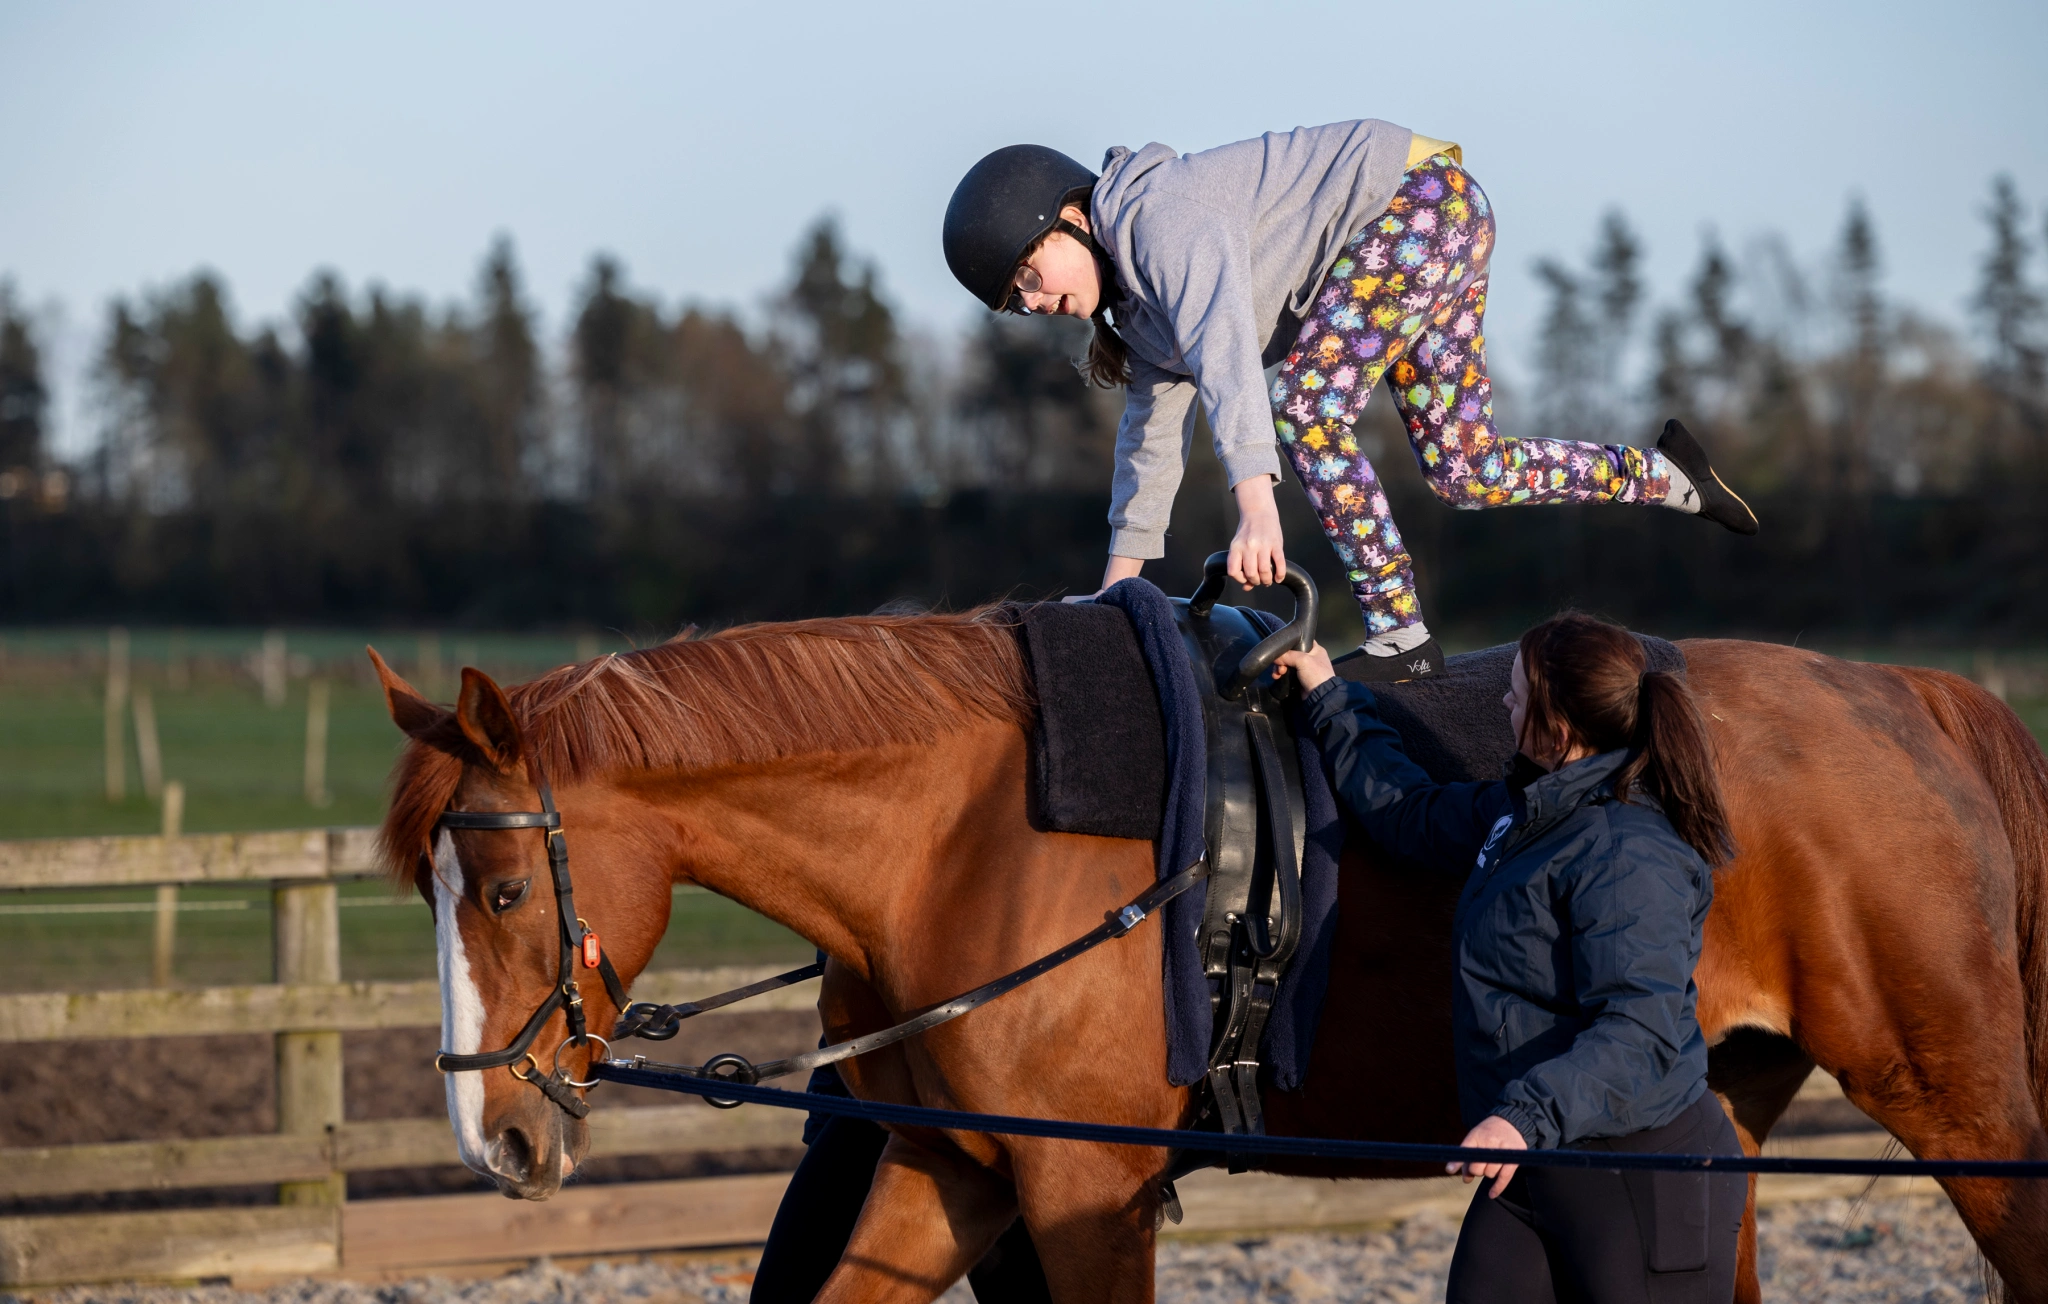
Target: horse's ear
409 711
485 718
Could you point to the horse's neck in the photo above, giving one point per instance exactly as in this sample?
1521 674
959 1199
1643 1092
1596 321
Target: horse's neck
833 846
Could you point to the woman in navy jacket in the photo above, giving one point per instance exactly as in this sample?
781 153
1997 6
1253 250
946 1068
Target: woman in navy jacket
1575 940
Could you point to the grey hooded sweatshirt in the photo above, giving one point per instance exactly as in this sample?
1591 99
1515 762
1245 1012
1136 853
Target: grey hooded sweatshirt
1218 256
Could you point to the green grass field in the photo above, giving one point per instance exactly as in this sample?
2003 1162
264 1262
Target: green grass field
242 765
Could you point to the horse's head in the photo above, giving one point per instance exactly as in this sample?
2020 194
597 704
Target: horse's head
498 924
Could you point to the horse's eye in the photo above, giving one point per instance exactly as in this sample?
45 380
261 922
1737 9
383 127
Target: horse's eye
508 895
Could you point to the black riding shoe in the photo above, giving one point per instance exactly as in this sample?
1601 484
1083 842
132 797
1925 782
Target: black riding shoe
1718 503
1361 667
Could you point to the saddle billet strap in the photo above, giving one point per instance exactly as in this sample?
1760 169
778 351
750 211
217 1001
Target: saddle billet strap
652 1022
1259 972
1248 961
1114 925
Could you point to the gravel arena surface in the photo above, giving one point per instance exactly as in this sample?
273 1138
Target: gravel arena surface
1898 1251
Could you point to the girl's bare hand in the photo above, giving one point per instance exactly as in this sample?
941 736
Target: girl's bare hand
1493 1133
1313 666
1258 552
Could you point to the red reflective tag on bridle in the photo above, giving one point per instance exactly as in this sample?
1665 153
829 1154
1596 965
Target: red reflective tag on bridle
591 951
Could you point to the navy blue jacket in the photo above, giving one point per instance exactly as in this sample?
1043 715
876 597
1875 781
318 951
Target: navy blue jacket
1575 937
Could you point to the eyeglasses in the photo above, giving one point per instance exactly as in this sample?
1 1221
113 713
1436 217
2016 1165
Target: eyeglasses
1027 281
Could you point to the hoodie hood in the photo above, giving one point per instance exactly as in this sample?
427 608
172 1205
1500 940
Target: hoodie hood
1112 214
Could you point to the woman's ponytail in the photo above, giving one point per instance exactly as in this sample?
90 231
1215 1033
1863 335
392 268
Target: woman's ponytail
1679 765
1593 678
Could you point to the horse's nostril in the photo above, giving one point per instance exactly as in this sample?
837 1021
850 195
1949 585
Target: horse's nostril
511 1155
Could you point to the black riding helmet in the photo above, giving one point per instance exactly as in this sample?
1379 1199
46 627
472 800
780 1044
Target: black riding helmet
1003 204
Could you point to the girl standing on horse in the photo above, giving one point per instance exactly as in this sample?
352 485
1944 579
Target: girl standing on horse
1573 1010
1343 253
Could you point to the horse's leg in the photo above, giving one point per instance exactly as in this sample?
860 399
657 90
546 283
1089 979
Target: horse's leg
1099 1207
930 1216
1960 1091
1878 918
1756 1074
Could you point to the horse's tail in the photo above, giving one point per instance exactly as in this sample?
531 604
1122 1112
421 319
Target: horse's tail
2012 764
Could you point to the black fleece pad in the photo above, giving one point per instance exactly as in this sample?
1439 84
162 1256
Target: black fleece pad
1454 725
1098 753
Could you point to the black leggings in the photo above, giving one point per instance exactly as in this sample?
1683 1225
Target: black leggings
822 1204
1583 1236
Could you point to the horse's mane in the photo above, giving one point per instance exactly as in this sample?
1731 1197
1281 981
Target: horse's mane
742 696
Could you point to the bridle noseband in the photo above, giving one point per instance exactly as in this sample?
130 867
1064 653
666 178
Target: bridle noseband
577 937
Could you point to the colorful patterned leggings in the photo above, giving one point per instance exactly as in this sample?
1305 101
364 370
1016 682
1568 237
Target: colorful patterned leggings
1407 299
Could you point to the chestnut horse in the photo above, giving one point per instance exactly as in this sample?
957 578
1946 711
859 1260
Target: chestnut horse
862 781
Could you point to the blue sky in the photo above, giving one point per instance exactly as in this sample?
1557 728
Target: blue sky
695 141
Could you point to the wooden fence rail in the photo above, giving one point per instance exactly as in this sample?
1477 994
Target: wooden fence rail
298 855
306 1010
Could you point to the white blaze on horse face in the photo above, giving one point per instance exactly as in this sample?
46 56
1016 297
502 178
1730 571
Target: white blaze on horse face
462 1008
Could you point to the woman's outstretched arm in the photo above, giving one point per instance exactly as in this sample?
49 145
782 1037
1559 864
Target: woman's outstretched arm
1443 825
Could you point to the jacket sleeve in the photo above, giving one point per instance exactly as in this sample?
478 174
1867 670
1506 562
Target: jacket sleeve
1152 443
1634 911
1197 261
1391 797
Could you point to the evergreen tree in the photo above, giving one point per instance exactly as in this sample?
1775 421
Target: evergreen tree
508 389
1859 370
1567 359
848 386
2010 314
23 396
600 345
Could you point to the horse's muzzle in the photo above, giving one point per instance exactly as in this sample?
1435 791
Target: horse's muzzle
529 1160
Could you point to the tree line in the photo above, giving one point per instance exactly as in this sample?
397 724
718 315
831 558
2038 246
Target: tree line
379 457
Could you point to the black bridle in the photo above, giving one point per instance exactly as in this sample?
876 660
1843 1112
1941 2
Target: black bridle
659 1022
578 939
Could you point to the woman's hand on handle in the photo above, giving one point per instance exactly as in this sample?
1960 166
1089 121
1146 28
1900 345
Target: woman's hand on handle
1493 1133
1312 667
1258 553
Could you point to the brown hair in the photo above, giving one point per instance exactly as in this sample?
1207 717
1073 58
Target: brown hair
1591 677
1108 362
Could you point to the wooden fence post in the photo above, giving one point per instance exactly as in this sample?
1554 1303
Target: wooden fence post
149 749
117 710
306 920
272 667
167 893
